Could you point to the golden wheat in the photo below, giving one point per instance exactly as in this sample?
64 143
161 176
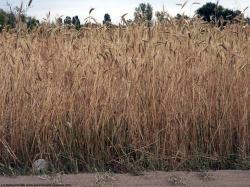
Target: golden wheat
125 98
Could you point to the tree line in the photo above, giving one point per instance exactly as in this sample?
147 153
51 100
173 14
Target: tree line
209 12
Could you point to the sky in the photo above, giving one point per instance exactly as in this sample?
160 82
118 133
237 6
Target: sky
115 8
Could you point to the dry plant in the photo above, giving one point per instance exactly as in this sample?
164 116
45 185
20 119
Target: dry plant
53 179
104 179
151 96
205 176
176 180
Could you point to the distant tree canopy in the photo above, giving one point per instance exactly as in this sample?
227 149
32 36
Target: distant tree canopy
7 19
2 18
32 23
67 20
212 12
144 12
248 20
162 16
107 19
183 16
11 18
59 21
76 22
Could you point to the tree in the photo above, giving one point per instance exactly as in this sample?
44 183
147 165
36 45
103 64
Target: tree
3 16
59 21
67 21
144 12
7 18
162 16
107 19
214 12
76 22
32 23
10 19
19 13
2 19
248 20
179 16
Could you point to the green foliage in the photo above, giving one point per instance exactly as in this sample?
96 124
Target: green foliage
2 19
179 16
212 12
76 22
3 15
144 12
107 19
59 21
32 23
7 19
162 16
248 20
67 21
10 19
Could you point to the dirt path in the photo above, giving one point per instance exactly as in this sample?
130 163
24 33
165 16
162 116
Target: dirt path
152 179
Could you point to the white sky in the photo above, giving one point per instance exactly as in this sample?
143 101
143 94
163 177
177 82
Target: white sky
115 8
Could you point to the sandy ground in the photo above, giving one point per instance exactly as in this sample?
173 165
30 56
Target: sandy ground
152 179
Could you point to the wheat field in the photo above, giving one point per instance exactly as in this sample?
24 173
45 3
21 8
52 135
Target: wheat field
169 97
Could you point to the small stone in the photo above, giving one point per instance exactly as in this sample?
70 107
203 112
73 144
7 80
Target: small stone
40 166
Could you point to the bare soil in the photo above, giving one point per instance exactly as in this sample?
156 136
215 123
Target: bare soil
151 179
